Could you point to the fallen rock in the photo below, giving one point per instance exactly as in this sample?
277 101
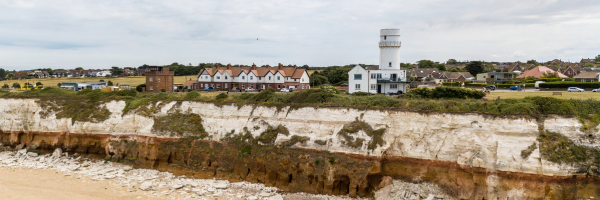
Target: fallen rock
32 154
430 197
252 198
22 151
146 185
20 146
264 194
57 153
276 197
176 186
221 186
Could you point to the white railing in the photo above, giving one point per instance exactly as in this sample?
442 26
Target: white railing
390 44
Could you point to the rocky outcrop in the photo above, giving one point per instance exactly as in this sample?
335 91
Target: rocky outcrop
483 151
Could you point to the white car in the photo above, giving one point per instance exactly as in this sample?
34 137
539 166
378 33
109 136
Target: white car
575 89
596 90
249 89
284 90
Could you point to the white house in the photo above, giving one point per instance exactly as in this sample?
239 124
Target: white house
387 77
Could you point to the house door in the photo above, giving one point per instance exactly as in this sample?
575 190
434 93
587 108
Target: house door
378 89
394 76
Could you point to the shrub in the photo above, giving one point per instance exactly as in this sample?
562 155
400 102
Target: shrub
312 96
59 84
16 85
445 92
110 83
264 95
330 89
131 93
139 87
222 96
163 90
192 95
361 94
5 86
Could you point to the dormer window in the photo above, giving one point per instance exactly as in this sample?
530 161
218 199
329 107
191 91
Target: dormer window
390 64
384 37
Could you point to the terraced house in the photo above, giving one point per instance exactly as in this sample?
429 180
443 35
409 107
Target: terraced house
258 78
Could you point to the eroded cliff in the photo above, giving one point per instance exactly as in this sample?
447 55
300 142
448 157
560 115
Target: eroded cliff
321 150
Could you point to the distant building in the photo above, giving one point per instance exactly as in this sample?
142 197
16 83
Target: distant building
539 71
386 78
496 77
158 78
587 77
80 86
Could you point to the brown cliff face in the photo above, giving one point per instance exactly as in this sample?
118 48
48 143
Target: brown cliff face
304 170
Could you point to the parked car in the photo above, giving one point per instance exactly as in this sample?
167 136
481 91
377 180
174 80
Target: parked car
490 87
575 89
596 90
514 87
284 90
249 89
208 88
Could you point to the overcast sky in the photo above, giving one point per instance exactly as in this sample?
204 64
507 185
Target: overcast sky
126 33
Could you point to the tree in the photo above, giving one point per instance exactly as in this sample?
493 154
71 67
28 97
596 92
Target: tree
316 80
426 64
406 65
139 87
531 62
59 84
441 67
475 67
451 61
2 74
5 86
16 85
589 65
597 59
110 83
79 68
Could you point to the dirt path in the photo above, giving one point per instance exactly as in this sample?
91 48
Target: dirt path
27 184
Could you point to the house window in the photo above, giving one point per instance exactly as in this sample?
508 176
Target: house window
302 80
225 85
243 77
201 85
384 37
295 79
218 85
394 86
151 88
390 64
357 76
279 78
158 79
278 86
357 86
251 77
150 79
259 78
243 86
269 85
373 86
225 77
269 77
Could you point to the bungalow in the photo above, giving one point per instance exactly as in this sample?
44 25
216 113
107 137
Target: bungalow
421 73
60 73
458 76
586 61
20 75
514 67
539 72
80 86
496 77
587 77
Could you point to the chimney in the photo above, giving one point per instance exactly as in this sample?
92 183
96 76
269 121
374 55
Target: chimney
229 66
268 66
295 67
217 65
253 66
280 66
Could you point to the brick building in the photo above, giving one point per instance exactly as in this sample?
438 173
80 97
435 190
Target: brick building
259 78
158 78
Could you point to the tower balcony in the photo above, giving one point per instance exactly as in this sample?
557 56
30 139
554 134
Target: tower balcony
389 80
389 44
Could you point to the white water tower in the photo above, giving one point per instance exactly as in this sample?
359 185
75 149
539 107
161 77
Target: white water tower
389 49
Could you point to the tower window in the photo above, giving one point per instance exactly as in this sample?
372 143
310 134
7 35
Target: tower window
384 37
390 64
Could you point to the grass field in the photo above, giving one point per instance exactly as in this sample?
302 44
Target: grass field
565 95
131 80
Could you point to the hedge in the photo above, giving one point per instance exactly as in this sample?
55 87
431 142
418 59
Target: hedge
566 84
445 92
